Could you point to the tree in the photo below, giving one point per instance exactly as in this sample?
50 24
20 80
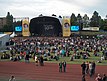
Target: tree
79 21
40 15
6 28
9 23
73 19
101 24
17 23
60 16
95 20
104 25
86 21
53 15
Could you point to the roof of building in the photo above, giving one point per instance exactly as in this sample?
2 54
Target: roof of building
1 35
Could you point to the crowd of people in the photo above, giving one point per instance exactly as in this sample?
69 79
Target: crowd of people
44 48
101 78
55 47
62 65
88 68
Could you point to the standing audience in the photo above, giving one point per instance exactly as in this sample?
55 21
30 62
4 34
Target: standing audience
64 66
83 65
87 67
36 60
83 78
104 77
60 67
93 67
90 69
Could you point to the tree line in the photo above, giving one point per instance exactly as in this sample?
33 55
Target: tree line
83 22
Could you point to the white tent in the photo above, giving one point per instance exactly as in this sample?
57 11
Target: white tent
3 39
13 35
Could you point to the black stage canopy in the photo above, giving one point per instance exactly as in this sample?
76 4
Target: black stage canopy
45 26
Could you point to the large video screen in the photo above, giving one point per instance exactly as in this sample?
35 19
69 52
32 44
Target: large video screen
18 28
74 28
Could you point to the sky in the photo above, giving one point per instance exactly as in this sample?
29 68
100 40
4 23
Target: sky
33 8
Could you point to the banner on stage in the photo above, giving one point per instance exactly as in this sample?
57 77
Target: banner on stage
66 27
25 27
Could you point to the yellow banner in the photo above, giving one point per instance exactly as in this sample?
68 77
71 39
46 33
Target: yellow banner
25 27
66 27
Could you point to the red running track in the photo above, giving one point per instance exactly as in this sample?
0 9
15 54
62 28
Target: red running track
48 72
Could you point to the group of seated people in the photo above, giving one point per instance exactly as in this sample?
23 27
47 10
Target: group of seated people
5 56
55 47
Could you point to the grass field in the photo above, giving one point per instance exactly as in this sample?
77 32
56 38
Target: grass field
75 61
67 59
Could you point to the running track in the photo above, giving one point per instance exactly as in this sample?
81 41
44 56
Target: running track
48 72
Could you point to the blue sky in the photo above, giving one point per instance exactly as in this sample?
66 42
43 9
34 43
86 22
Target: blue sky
33 8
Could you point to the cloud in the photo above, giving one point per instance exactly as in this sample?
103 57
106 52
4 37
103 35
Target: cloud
33 8
82 3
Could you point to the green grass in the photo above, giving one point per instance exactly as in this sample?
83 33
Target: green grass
79 61
93 33
75 61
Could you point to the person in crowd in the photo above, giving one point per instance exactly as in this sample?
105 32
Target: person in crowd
41 61
27 58
62 46
98 78
60 66
64 66
104 77
83 65
87 67
12 78
36 60
90 69
93 67
83 78
71 57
